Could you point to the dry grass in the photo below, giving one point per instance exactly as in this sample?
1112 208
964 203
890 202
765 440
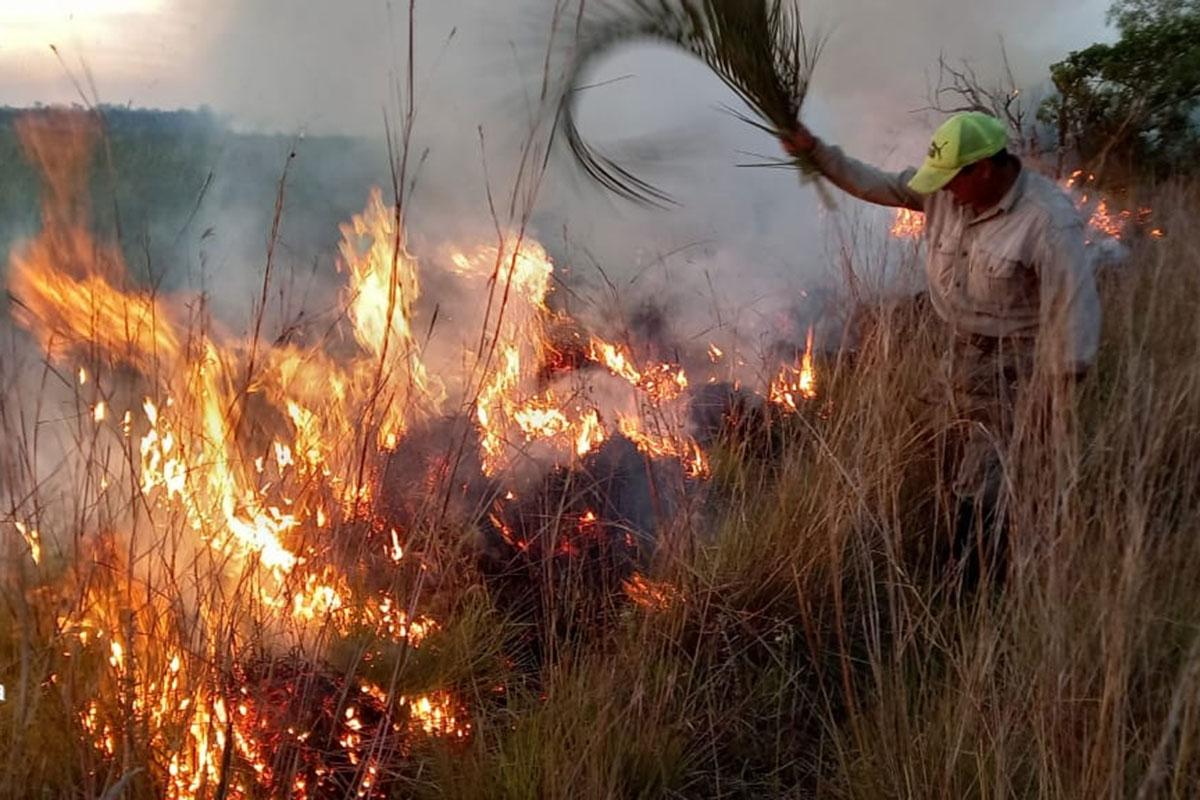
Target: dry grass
816 650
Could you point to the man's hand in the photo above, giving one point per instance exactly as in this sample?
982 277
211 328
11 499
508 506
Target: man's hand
799 143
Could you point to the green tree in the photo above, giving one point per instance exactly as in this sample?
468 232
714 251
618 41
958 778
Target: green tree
1129 108
1130 15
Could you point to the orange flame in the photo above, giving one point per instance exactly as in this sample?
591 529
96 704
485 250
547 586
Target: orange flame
652 595
794 385
384 285
693 457
660 382
908 224
591 433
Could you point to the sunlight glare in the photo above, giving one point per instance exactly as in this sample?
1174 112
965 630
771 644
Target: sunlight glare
37 25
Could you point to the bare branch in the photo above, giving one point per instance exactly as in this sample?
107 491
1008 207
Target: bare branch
960 88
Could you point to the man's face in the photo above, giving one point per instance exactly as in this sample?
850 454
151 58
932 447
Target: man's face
972 185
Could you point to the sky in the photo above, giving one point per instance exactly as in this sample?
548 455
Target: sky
332 66
326 64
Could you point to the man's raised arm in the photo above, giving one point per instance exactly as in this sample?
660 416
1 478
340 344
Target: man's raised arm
854 177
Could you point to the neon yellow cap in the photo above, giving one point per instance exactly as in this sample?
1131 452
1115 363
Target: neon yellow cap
961 140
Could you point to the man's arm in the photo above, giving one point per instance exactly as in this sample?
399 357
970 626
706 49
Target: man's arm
854 177
1070 304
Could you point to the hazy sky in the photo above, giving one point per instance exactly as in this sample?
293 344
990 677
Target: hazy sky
325 64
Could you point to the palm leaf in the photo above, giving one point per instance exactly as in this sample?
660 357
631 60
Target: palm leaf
758 48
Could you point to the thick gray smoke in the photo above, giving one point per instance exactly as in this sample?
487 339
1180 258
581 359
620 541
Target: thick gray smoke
751 238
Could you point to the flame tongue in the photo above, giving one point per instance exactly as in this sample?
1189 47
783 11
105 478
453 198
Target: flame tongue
794 385
64 279
384 286
660 383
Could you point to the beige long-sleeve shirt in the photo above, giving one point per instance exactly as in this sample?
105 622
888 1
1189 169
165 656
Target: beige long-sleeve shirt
1017 270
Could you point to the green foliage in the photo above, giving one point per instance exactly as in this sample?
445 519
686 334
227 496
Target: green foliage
1131 105
1129 15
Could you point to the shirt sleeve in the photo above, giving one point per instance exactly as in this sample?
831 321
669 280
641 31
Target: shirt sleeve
1070 304
865 181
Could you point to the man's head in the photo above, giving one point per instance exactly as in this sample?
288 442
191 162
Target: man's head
982 183
969 158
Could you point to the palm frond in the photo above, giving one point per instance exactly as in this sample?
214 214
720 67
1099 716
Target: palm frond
758 48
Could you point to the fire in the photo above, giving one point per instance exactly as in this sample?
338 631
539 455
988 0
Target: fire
908 224
32 540
383 616
616 359
656 445
511 412
591 433
316 600
199 486
660 382
437 714
652 595
541 421
795 384
492 404
252 462
384 286
525 273
395 550
1104 222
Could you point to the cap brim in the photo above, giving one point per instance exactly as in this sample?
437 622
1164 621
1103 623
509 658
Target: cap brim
930 179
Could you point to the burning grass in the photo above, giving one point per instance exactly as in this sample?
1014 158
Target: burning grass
258 569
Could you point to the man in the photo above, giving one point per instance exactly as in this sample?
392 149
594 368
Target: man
1008 273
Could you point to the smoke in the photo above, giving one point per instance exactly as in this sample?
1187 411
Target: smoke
752 238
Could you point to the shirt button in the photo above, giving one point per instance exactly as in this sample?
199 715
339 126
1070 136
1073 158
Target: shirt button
963 254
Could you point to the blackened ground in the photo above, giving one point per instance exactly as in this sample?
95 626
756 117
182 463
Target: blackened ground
298 711
556 556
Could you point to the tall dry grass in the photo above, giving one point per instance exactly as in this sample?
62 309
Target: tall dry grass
816 646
